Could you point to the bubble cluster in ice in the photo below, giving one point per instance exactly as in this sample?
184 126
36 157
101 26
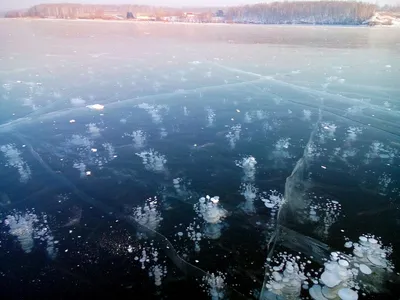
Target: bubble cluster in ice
80 142
384 181
77 101
249 191
149 258
281 148
110 152
286 275
28 227
158 272
327 132
273 200
352 133
307 114
138 138
148 214
233 136
155 111
312 150
271 125
194 234
81 167
163 133
14 160
180 187
380 151
247 117
325 212
152 160
215 285
344 276
22 227
209 210
93 130
185 111
337 276
370 251
248 164
210 116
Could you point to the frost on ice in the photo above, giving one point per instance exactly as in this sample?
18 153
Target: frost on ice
14 159
152 160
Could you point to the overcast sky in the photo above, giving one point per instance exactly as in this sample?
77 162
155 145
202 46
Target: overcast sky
13 4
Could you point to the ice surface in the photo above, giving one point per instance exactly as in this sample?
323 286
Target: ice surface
259 112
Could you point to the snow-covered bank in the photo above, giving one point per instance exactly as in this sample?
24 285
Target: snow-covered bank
384 19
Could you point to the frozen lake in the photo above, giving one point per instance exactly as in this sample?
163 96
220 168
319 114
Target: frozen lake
112 134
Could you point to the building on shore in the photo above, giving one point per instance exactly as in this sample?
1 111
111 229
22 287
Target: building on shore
145 17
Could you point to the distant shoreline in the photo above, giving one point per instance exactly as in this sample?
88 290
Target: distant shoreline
192 23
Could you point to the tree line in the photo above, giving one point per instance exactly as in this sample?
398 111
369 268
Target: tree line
309 12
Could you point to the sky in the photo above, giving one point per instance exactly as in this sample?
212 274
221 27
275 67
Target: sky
17 4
